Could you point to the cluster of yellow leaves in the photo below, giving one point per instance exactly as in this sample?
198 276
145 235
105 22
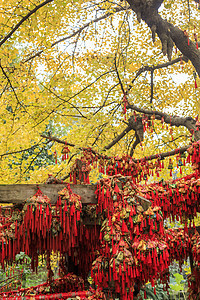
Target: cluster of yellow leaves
54 261
71 87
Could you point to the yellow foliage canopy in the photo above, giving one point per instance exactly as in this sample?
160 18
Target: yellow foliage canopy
63 71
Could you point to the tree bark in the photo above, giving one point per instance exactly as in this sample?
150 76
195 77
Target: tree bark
177 121
147 10
118 138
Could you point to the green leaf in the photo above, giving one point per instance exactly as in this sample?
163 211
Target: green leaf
176 287
17 257
28 260
178 277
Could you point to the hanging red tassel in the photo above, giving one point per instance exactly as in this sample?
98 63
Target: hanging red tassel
117 190
65 152
195 37
181 63
55 157
124 227
2 254
188 159
134 115
64 157
195 79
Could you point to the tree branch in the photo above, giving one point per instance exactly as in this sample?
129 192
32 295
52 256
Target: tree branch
100 132
20 151
137 141
159 66
147 10
181 42
67 101
151 157
119 79
117 9
151 97
134 123
164 154
32 161
118 138
55 139
23 20
10 83
177 121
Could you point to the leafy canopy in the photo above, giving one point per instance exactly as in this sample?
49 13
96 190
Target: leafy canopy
63 72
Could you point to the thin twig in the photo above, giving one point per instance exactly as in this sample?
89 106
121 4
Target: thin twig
4 73
67 101
23 20
19 151
76 32
151 99
152 68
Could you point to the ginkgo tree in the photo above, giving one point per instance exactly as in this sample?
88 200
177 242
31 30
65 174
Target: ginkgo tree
121 78
94 74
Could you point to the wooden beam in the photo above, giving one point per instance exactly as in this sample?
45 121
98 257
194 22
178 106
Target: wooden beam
144 202
18 193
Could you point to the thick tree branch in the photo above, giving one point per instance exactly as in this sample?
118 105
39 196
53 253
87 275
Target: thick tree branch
57 140
23 20
147 10
138 140
164 154
133 124
118 138
181 42
177 121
